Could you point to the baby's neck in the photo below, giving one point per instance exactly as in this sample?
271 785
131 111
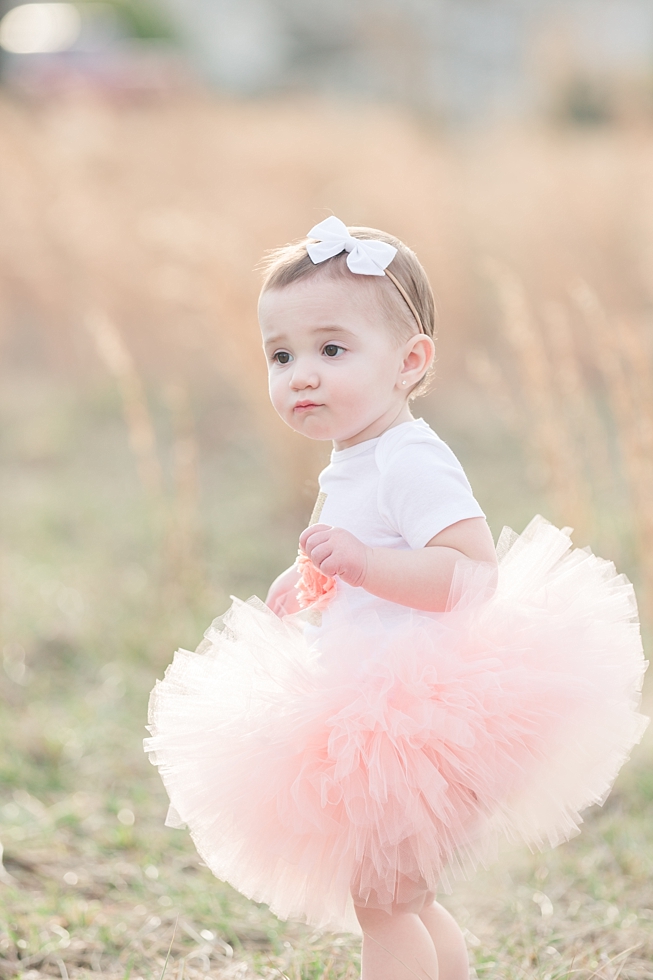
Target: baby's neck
376 428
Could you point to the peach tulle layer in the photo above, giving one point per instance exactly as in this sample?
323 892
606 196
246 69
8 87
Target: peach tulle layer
396 751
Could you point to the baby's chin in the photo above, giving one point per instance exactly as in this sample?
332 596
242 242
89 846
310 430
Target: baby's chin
319 429
311 427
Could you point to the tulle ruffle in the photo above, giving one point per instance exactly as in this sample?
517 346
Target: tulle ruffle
396 750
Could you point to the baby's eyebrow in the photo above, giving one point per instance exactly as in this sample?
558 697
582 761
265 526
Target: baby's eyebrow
271 341
331 329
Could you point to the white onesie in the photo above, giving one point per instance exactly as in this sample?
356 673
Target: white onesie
396 491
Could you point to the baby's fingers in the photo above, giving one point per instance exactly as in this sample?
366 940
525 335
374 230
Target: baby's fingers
313 535
321 553
329 566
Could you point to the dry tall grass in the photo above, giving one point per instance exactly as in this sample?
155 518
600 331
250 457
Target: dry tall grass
579 389
152 218
128 239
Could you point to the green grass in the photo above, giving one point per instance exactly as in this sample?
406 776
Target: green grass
93 605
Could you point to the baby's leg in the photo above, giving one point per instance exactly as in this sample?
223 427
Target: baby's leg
447 938
396 946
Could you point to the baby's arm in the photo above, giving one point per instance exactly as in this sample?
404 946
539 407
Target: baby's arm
420 578
282 594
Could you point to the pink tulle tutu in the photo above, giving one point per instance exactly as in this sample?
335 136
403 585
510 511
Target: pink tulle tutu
395 750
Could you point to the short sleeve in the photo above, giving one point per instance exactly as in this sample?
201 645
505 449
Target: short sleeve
423 489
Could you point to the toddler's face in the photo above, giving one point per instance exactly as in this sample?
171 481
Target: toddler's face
334 365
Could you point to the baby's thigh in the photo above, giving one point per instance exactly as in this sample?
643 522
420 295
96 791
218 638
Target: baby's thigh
410 896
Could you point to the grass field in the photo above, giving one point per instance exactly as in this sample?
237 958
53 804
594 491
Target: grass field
94 884
144 479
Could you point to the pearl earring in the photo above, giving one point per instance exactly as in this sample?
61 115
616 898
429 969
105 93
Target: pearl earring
403 382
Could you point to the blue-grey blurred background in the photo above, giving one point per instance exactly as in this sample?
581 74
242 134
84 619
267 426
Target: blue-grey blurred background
460 61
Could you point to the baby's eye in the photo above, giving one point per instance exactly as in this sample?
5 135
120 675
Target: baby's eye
332 350
281 357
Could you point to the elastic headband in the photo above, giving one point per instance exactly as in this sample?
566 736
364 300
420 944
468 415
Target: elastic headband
366 256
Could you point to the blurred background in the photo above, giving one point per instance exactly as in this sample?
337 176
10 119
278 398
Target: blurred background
150 152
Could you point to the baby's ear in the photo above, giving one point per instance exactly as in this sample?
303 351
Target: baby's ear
419 353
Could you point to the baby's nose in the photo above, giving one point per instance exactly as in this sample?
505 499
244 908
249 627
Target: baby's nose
303 376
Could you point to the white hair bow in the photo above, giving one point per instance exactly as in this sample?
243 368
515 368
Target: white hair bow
367 257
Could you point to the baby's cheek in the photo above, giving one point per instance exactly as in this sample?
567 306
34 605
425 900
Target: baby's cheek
278 402
359 405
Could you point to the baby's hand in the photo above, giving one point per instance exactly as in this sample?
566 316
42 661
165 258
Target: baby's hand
282 594
336 552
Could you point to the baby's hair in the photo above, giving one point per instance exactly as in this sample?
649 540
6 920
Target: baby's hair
292 263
